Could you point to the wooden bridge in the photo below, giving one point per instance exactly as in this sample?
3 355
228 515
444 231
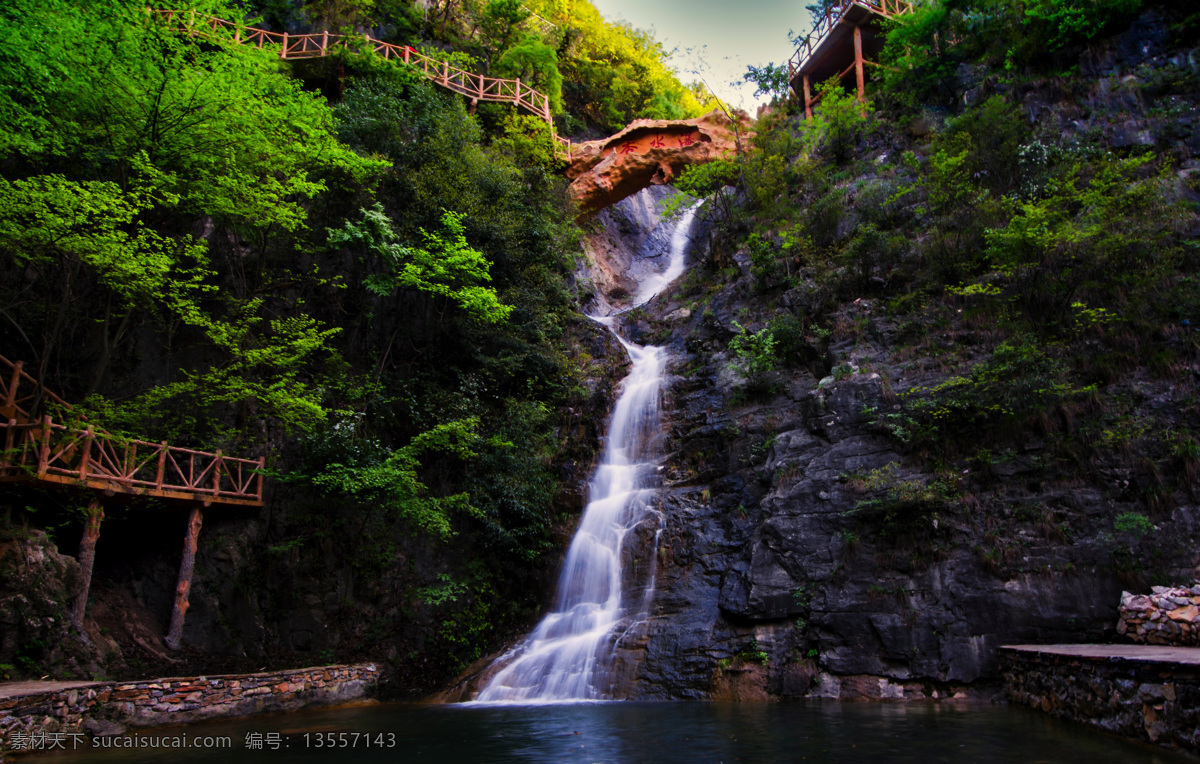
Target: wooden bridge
75 454
321 44
840 44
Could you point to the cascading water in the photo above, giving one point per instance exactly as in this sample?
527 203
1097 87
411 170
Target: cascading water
567 656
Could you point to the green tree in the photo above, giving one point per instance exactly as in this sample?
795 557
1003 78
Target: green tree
445 266
839 119
536 63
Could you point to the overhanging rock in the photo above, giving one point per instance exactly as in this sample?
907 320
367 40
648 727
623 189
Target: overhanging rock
650 152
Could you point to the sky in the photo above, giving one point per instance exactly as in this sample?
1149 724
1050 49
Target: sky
717 39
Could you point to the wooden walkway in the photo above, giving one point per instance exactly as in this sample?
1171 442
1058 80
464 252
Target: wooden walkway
81 456
321 44
841 42
84 456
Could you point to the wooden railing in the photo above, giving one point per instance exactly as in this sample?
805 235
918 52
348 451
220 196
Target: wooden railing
21 393
84 455
320 44
833 16
51 452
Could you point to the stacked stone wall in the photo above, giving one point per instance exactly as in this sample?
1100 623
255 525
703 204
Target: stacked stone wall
1166 616
29 721
1157 701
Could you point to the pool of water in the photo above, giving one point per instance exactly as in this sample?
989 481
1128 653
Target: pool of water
633 732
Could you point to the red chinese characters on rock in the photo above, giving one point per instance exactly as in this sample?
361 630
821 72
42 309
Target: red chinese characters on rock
644 143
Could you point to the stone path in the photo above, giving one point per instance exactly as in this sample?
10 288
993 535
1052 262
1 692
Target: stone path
1150 653
21 689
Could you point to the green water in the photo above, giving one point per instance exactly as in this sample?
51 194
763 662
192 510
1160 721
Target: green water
640 732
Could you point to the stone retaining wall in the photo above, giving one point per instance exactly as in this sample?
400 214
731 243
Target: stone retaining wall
27 720
1151 700
1166 616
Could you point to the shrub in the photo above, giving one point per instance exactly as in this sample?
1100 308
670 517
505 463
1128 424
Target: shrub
837 123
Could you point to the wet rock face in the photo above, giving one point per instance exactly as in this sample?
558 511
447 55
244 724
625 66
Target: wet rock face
625 242
650 152
766 549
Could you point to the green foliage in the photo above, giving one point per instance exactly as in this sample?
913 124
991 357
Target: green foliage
613 72
1019 35
702 180
108 89
528 141
1057 24
390 480
779 260
446 266
1020 379
1106 238
904 508
501 22
753 353
771 80
838 121
1133 524
535 63
752 653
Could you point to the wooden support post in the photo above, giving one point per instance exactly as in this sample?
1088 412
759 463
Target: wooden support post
174 638
807 99
87 556
283 53
44 451
858 65
325 43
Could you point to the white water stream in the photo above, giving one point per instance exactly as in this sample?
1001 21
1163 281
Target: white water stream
565 658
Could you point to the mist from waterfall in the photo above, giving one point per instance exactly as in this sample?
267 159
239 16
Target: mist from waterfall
567 656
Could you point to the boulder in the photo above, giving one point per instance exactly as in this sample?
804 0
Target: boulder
649 152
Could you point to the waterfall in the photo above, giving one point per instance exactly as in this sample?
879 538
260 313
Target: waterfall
566 657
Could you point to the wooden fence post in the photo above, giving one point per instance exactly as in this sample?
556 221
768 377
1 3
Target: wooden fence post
262 461
174 638
160 475
10 399
9 440
216 476
85 459
87 556
44 451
